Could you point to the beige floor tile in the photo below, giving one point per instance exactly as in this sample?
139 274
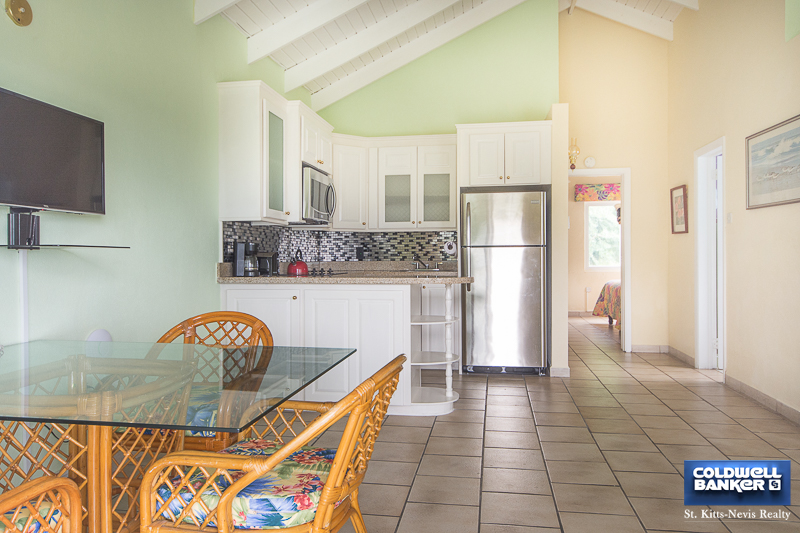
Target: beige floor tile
471 394
674 436
518 509
617 413
329 439
677 453
564 434
558 419
515 481
509 411
598 523
450 465
508 400
723 431
511 439
628 399
580 472
705 417
375 524
447 490
689 405
462 415
661 422
638 462
402 452
648 409
668 515
745 447
621 442
591 499
569 451
524 425
414 435
457 429
788 441
419 421
650 485
503 528
507 391
419 517
554 407
512 458
538 395
768 426
596 401
752 526
454 446
737 412
470 405
386 500
608 425
391 473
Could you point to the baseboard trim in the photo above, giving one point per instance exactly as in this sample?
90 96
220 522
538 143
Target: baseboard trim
764 399
677 354
559 372
584 314
650 348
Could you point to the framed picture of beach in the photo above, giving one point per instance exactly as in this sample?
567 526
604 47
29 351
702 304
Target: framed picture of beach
773 165
680 222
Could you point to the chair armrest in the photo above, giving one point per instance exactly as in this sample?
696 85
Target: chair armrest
63 494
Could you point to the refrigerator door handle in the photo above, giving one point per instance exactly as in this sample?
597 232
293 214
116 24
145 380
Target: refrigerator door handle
469 243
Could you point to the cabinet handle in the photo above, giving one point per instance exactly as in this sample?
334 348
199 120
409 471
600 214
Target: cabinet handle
288 213
294 297
508 177
501 177
363 223
423 286
413 222
320 161
420 222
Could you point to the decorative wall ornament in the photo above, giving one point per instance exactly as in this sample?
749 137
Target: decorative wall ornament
574 152
678 209
773 165
597 192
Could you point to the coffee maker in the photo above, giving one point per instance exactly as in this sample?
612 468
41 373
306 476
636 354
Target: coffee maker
245 259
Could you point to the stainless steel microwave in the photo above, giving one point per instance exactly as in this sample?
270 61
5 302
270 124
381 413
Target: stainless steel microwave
319 197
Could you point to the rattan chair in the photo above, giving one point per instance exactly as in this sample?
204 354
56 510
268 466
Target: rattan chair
200 491
45 505
227 329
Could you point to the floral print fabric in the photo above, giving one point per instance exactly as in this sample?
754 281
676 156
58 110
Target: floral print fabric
35 525
286 496
609 302
597 192
203 407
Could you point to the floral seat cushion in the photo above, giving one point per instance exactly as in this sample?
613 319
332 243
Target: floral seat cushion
286 496
202 409
25 514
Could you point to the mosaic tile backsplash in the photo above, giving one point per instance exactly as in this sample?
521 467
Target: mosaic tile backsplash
338 245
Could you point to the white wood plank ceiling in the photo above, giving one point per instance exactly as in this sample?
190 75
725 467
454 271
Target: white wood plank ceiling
335 47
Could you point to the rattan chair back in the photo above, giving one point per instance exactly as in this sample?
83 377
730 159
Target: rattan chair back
46 505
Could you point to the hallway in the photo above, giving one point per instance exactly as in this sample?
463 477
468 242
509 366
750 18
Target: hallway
602 451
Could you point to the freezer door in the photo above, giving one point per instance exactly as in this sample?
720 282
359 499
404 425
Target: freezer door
503 309
502 218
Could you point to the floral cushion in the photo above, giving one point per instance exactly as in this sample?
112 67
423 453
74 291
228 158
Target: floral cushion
203 406
286 496
35 525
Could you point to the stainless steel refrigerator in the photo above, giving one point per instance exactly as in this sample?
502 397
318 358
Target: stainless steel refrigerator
503 246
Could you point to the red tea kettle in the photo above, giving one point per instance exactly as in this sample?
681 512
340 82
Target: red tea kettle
297 267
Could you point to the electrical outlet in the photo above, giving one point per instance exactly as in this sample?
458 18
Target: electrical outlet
588 289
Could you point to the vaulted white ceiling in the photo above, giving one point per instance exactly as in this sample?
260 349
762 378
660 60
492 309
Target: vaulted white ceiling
335 47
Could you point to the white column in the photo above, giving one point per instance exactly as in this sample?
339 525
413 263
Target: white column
448 340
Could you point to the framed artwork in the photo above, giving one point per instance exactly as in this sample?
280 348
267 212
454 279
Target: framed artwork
773 165
680 222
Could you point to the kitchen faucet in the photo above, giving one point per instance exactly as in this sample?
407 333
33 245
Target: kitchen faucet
419 260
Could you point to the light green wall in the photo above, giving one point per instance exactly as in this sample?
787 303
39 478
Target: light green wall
503 70
149 73
792 18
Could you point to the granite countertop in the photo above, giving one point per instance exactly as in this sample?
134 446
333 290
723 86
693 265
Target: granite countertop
371 273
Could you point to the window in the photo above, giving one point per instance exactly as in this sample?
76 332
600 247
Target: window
602 236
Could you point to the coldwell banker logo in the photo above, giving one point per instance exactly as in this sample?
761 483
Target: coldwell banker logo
737 483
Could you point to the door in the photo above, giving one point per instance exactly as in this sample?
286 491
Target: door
436 194
502 218
279 309
503 322
486 159
523 158
350 182
397 188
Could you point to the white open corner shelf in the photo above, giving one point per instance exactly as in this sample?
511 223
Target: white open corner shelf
430 320
431 358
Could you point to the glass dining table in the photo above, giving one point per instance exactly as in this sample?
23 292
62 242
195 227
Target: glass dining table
101 412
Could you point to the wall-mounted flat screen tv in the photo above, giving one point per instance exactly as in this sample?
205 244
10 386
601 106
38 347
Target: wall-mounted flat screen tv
50 158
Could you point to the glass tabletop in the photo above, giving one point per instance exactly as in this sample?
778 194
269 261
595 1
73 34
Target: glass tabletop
164 386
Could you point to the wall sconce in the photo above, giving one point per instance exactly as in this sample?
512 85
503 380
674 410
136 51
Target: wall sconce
19 11
574 151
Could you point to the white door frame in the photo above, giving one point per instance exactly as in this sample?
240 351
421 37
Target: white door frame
624 175
709 253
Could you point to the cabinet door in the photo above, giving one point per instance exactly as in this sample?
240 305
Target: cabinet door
325 151
310 140
436 189
273 122
486 159
350 183
397 188
523 157
279 309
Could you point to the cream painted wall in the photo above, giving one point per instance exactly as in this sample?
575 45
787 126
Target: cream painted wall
615 80
732 74
579 278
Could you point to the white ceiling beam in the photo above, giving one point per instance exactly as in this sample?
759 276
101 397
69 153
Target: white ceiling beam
205 9
362 42
571 6
295 26
628 16
411 51
690 4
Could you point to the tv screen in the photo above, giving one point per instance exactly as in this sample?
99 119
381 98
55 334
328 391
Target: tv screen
50 158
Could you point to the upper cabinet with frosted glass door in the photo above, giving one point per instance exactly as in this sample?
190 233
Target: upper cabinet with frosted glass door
397 187
436 187
512 153
252 153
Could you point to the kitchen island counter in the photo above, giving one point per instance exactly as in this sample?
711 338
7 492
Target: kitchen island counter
372 278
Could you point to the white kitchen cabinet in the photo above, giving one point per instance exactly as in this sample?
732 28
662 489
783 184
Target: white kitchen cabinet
397 187
350 180
252 152
316 140
278 308
514 153
436 187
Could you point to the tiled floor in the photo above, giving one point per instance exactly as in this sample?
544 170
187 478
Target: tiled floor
599 452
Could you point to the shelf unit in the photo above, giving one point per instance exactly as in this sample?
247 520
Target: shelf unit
437 401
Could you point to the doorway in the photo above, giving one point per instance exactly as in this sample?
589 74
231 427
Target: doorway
624 175
709 164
